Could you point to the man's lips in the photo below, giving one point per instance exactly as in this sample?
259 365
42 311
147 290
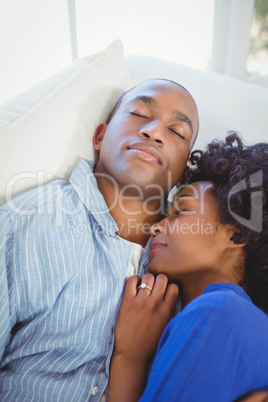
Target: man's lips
157 245
147 149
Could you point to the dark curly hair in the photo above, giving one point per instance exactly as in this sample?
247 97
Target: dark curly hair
239 174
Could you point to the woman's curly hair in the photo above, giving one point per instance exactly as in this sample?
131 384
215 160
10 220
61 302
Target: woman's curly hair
239 174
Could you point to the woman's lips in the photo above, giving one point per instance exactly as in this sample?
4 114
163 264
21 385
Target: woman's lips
157 245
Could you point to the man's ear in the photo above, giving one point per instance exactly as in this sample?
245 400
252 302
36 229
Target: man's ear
98 136
183 177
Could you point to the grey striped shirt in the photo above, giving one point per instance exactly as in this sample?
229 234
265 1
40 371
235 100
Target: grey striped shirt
62 274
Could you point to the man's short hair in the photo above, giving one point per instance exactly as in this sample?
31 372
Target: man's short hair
118 103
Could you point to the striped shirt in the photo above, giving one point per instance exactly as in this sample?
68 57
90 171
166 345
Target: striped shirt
62 274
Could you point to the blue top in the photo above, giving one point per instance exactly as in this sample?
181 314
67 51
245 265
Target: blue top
216 349
62 273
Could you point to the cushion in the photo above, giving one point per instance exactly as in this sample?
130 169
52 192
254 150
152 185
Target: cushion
46 131
224 103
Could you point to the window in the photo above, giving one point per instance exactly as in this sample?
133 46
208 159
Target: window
35 38
257 63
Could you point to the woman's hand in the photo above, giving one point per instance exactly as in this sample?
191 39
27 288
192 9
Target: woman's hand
143 315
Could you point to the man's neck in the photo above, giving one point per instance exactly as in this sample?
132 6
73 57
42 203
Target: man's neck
134 216
134 226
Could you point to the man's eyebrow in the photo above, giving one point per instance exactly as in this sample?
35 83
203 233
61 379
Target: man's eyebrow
183 117
145 99
153 102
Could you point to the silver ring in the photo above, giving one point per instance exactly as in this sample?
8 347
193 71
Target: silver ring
144 286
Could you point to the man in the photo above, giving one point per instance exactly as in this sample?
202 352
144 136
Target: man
67 248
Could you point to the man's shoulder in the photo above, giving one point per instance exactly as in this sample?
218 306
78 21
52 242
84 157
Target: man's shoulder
35 200
52 193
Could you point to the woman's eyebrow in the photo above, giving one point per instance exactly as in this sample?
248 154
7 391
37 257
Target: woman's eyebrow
186 195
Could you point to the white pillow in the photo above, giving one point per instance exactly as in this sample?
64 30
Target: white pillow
46 131
224 103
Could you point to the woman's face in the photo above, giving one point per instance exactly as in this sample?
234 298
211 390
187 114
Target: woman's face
190 240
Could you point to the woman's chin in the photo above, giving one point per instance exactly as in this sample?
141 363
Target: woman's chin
156 270
153 269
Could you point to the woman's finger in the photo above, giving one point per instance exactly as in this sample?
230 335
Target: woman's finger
131 286
160 286
147 284
164 291
172 294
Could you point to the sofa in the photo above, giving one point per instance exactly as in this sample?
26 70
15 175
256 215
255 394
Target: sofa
45 131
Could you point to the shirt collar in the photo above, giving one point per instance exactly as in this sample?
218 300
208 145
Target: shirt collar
85 185
222 286
145 259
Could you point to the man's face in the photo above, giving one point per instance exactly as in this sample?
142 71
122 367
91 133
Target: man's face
148 141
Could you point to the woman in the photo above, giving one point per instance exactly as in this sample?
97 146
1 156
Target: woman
214 244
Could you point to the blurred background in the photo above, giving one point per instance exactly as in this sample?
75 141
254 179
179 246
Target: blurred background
40 37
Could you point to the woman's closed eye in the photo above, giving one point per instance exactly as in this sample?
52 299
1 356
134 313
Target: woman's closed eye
183 209
179 211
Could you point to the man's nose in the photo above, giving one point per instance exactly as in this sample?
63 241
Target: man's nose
157 228
154 130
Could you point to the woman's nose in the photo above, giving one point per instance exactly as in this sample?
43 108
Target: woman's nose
157 228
